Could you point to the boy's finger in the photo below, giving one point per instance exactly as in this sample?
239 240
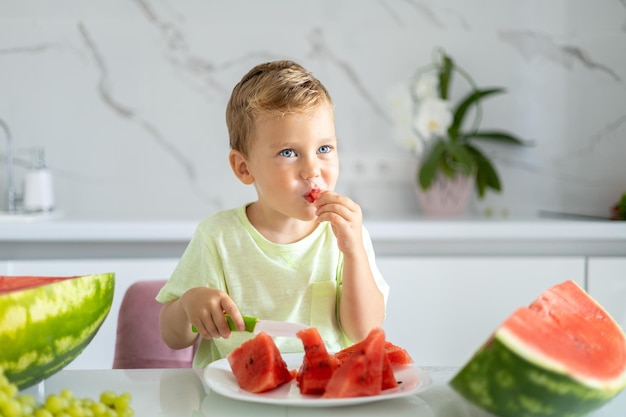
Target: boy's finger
235 316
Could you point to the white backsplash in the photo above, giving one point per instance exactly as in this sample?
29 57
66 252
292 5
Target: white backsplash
128 97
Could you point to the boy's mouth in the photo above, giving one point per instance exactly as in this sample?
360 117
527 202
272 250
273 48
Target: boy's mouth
313 195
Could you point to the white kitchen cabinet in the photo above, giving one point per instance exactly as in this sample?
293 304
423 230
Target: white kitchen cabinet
441 309
99 353
607 284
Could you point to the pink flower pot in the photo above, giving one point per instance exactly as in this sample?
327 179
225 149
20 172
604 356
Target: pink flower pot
446 197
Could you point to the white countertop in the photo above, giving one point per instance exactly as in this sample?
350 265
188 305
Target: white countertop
182 393
401 237
409 229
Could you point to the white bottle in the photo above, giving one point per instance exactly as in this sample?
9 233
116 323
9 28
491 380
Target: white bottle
38 187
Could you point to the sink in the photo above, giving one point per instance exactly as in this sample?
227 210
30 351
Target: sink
24 217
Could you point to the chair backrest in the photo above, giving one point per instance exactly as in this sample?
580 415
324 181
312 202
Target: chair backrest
138 342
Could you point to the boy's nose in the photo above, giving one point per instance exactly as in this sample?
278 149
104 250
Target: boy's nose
310 168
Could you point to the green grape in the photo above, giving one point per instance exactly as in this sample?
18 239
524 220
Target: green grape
27 399
67 393
9 389
42 412
75 410
10 408
122 402
87 402
55 404
128 412
110 413
98 409
108 397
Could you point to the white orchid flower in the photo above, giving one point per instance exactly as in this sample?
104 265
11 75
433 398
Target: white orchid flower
434 117
427 86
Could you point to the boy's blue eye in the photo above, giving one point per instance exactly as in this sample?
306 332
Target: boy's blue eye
324 149
287 153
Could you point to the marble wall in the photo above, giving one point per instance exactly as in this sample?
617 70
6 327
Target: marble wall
127 96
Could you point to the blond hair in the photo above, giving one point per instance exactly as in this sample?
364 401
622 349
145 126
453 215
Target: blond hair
271 89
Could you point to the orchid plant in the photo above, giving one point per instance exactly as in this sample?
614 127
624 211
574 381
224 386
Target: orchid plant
449 147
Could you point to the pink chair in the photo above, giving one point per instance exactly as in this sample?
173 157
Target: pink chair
138 343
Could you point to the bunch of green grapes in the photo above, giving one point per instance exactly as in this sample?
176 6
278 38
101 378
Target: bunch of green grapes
14 404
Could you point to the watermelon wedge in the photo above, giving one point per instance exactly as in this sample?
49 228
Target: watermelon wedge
317 365
561 356
45 322
393 355
258 365
361 374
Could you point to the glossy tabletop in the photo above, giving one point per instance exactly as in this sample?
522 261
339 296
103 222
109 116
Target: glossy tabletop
182 393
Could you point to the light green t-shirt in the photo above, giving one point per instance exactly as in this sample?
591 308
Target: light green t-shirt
298 282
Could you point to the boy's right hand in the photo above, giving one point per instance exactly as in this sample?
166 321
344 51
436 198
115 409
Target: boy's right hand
205 309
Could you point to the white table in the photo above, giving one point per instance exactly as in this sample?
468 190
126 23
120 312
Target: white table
181 393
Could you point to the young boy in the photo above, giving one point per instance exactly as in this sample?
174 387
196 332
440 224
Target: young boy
300 252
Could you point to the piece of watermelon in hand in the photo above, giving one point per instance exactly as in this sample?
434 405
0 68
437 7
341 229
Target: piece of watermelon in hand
313 195
361 374
258 365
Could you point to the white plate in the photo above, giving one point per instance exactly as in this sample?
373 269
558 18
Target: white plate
219 378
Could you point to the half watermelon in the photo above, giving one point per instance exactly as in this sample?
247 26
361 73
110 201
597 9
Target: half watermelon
562 355
45 322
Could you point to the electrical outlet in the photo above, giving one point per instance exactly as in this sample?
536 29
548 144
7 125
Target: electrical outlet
376 167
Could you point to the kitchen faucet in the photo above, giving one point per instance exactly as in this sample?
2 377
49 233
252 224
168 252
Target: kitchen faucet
10 188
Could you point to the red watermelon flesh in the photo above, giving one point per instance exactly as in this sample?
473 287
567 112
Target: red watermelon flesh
258 365
397 355
389 378
362 372
317 365
565 323
10 283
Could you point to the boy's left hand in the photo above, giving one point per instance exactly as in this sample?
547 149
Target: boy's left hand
345 217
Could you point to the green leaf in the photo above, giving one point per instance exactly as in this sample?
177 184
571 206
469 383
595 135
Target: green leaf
428 170
462 159
471 98
486 174
445 76
496 136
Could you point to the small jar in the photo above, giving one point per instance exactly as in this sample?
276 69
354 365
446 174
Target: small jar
38 186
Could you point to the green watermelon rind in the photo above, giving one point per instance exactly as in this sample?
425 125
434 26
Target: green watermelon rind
74 309
508 383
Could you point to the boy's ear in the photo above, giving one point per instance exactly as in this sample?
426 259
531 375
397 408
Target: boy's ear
239 165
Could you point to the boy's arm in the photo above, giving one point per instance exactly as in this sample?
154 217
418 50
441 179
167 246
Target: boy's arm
362 305
175 330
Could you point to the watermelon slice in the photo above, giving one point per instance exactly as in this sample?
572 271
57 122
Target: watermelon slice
317 365
258 365
361 374
562 355
393 355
